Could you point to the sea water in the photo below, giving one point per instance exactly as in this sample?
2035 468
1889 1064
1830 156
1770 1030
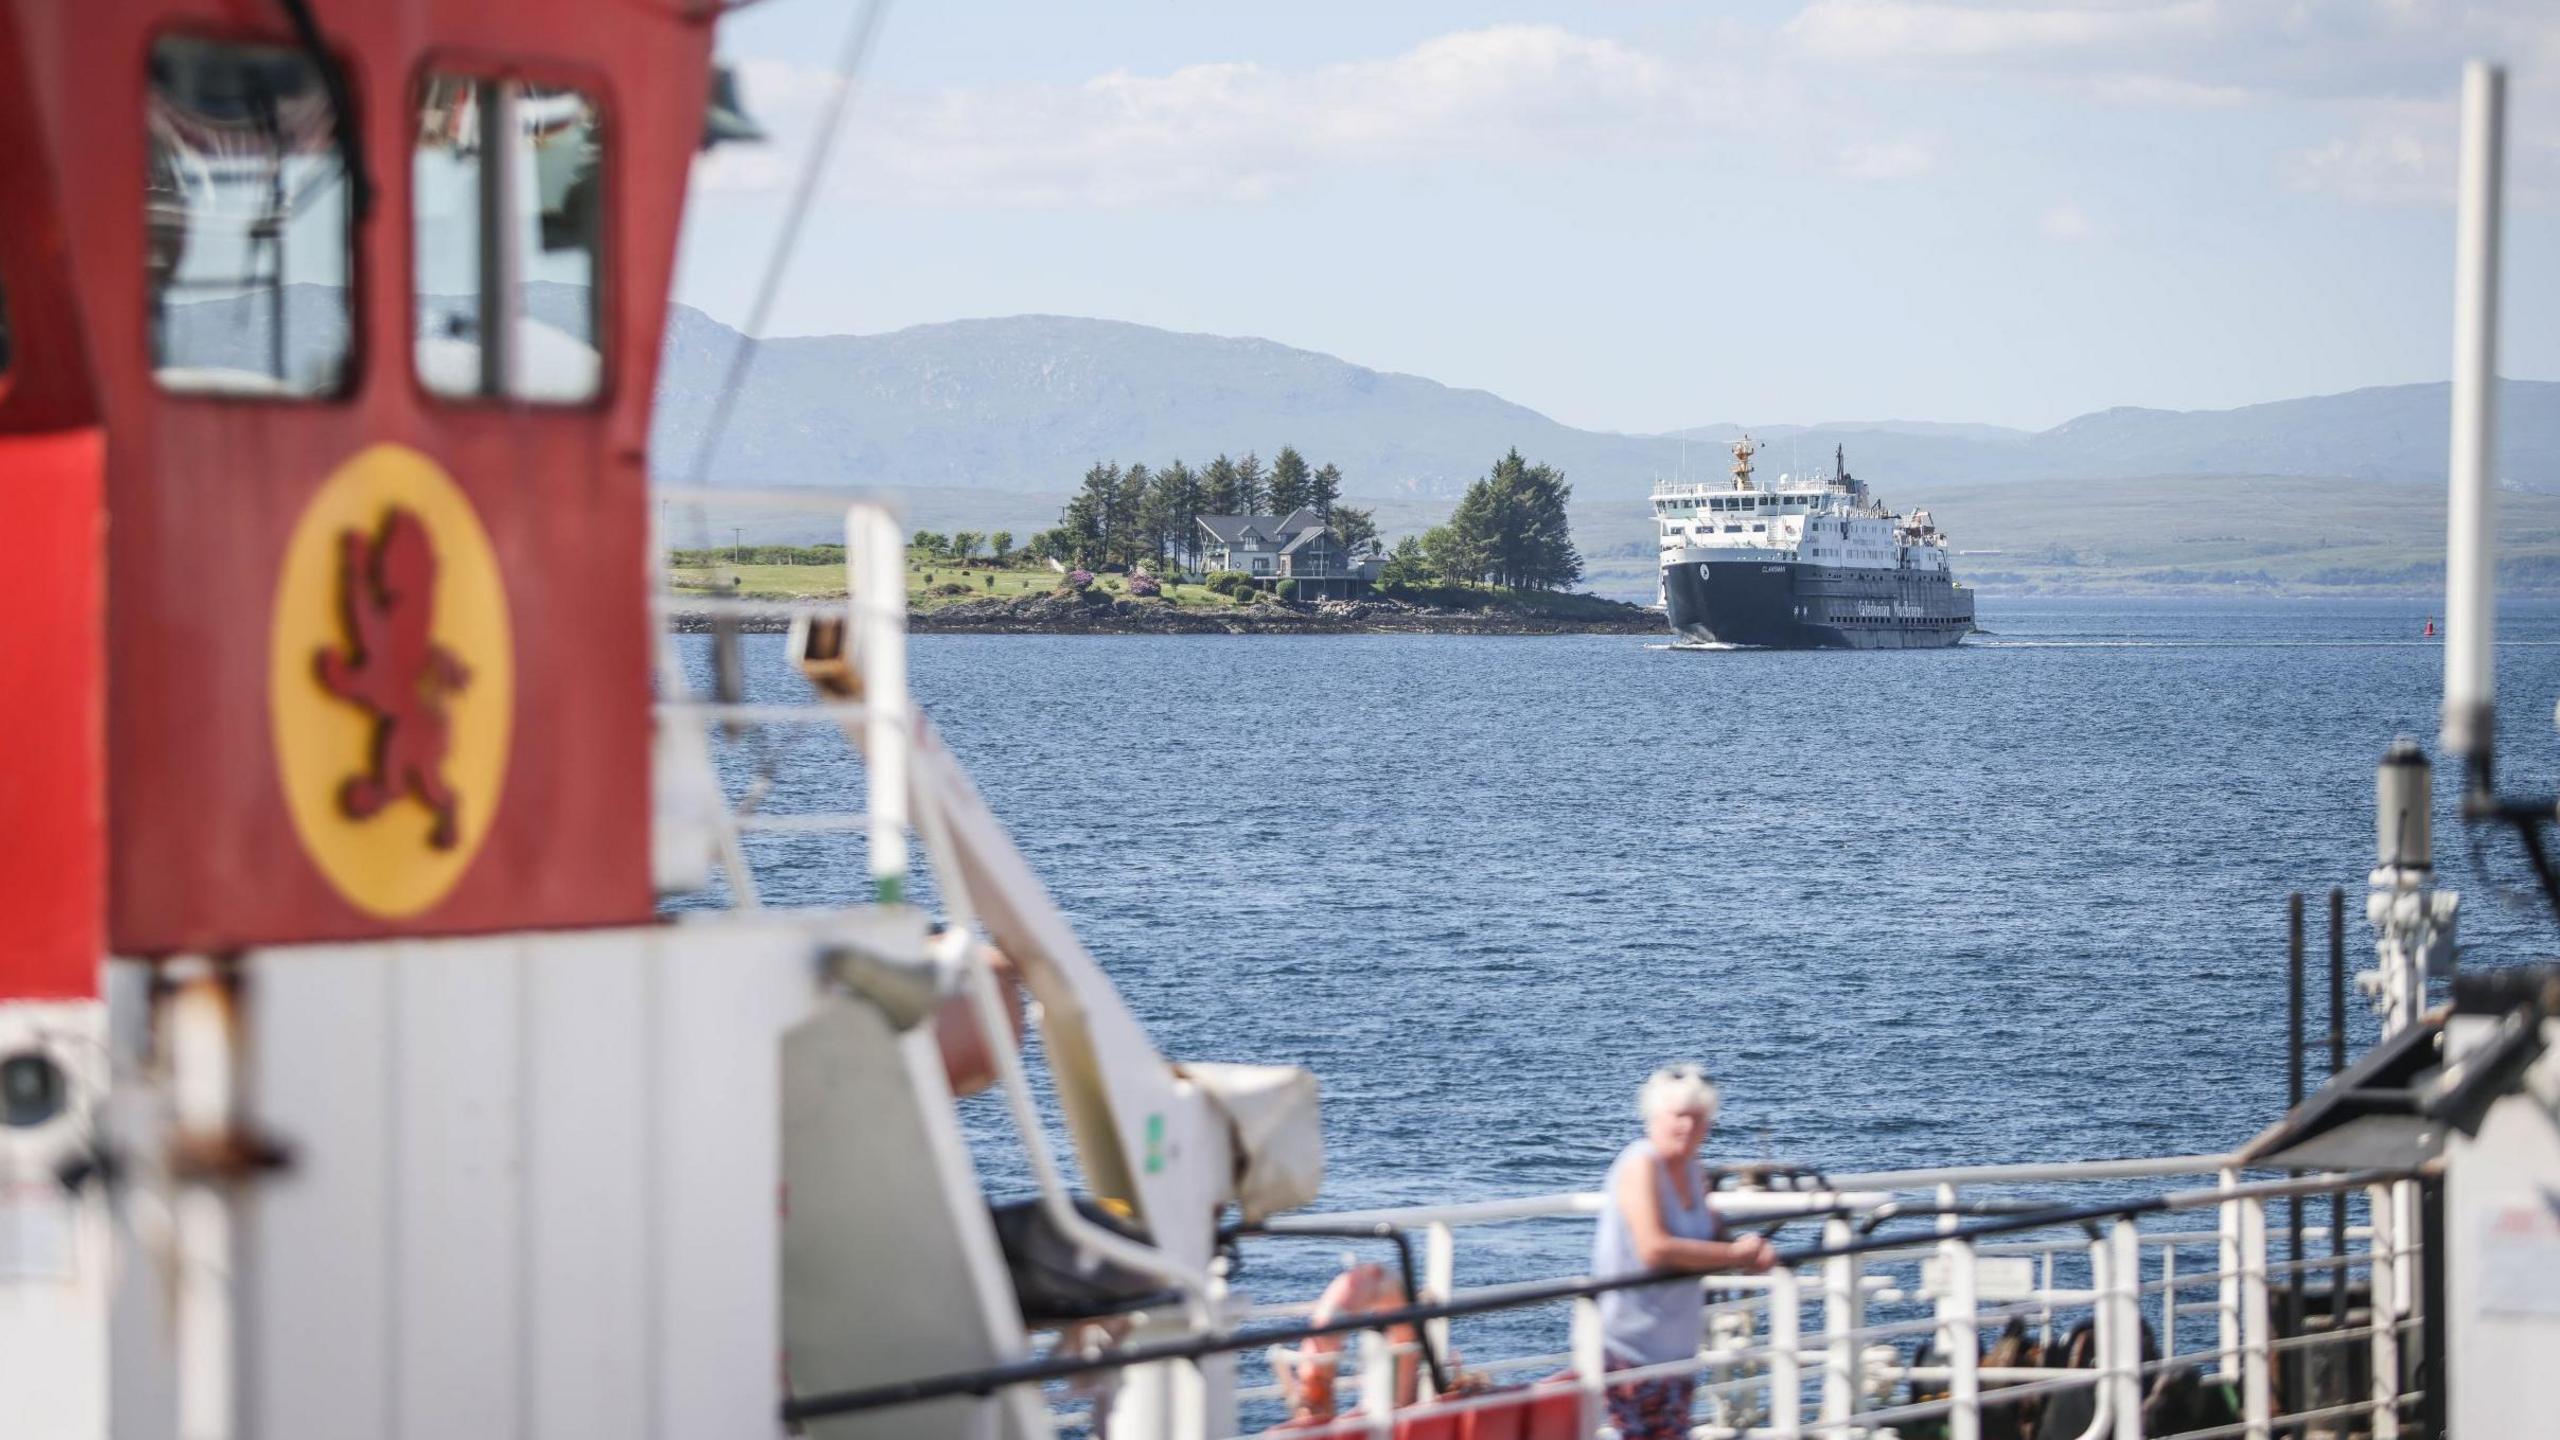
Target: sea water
2022 899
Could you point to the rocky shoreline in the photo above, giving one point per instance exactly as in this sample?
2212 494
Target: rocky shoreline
1095 613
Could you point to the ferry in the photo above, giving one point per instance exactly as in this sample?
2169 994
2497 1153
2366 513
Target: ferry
353 1081
1803 565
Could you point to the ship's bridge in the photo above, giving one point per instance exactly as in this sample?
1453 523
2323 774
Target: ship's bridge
1688 501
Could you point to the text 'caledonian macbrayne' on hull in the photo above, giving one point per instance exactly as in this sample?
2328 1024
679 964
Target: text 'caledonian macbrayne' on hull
1809 565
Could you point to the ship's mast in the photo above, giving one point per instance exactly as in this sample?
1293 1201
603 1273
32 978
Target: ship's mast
1743 450
1841 477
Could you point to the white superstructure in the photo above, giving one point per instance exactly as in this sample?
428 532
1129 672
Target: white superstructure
1829 519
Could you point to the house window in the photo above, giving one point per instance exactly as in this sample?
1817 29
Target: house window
246 211
1261 565
507 239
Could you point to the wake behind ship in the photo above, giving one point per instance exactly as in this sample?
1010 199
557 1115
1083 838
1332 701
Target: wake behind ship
1808 565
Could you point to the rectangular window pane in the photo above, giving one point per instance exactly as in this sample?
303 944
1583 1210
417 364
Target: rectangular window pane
529 272
246 203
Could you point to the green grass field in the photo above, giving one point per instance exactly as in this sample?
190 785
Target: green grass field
932 585
928 583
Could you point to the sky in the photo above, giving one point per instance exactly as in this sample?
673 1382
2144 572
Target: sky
1639 216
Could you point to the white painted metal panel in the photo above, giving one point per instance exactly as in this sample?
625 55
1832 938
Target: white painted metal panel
586 1067
725 993
458 1168
314 1241
532 1188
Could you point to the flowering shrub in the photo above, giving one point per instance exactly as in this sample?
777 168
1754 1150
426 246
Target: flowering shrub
1079 579
1141 583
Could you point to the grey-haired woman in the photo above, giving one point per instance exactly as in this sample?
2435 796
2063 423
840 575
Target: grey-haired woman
1657 1218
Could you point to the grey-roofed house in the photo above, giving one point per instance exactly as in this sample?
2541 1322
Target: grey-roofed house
1295 547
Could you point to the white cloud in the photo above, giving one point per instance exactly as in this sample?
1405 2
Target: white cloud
2404 154
2376 72
1916 30
2066 222
1234 131
2380 74
1241 132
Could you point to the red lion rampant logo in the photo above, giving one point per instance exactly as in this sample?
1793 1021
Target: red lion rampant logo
393 667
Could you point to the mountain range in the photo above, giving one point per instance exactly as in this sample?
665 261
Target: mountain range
1026 403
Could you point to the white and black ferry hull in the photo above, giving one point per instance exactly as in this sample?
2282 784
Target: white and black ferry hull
1790 605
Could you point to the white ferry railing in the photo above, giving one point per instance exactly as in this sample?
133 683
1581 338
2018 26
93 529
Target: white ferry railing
1770 1386
1844 1363
1757 1390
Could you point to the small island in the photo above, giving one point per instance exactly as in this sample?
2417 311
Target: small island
1226 550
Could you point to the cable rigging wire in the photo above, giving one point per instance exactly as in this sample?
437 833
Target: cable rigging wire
857 50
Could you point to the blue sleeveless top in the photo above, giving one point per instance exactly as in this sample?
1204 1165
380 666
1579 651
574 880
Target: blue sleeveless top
1650 1324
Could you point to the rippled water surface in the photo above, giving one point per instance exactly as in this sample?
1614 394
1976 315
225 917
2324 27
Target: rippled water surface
2022 899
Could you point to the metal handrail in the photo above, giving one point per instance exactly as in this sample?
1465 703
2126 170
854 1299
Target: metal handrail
989 1379
1566 1203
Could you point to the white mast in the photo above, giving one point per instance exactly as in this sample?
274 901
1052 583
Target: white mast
2470 672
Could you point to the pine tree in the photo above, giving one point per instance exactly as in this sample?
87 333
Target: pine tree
1475 529
1325 491
1356 529
1552 561
1252 492
1089 516
1459 550
1129 539
1407 565
1292 486
1219 492
1169 523
1186 499
1512 523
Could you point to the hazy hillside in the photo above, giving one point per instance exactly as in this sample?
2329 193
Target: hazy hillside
1025 404
2397 432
